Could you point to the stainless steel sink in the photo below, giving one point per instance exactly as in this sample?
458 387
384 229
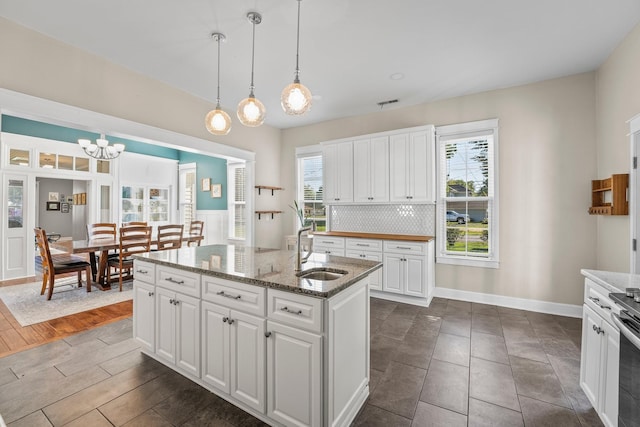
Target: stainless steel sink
323 274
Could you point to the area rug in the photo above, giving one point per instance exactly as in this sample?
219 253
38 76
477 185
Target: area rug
29 307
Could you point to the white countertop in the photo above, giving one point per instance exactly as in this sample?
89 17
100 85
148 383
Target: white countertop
614 282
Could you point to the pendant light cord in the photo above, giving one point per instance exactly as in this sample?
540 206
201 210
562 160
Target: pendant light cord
297 76
218 97
253 49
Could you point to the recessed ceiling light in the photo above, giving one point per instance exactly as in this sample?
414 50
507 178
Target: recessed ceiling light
396 76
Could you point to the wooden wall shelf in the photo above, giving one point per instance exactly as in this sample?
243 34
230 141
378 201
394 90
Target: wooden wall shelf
609 195
268 187
260 213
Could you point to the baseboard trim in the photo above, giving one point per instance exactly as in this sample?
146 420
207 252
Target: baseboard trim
559 309
423 302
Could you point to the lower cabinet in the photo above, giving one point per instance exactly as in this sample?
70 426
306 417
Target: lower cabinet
178 330
233 349
144 309
404 274
294 366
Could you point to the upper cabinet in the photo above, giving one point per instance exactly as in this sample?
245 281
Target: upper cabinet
412 166
388 167
338 172
371 170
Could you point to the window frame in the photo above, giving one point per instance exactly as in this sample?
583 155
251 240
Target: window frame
301 154
459 131
232 202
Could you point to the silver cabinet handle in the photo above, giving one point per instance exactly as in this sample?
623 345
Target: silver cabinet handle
267 334
142 271
221 293
596 301
598 330
403 247
231 321
288 310
363 244
151 294
172 280
176 302
224 319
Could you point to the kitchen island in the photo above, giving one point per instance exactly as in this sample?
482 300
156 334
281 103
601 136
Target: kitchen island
240 322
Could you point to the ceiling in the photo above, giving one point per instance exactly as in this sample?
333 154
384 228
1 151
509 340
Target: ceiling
349 49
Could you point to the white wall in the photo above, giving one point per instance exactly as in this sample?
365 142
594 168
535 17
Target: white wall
618 94
547 157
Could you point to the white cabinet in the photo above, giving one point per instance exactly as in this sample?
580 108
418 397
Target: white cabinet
143 203
178 330
144 309
405 268
337 173
368 249
233 342
294 364
412 167
329 245
600 353
371 170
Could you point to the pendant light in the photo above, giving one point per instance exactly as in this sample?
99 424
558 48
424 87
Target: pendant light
251 112
296 98
218 121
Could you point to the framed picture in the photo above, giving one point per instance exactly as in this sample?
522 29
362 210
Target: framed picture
216 261
83 198
64 207
76 199
206 184
53 206
216 190
54 197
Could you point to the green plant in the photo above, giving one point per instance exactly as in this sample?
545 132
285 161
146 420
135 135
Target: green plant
299 212
453 234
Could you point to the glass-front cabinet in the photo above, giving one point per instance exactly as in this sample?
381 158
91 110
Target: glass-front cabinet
144 203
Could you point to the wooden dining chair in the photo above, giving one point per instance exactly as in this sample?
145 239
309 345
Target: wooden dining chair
98 231
134 223
195 228
169 237
53 266
133 240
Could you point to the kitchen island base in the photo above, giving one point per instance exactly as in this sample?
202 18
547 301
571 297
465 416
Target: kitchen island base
287 358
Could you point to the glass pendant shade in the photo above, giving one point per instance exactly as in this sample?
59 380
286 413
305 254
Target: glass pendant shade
251 112
295 99
218 121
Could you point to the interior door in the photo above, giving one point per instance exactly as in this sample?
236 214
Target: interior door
16 227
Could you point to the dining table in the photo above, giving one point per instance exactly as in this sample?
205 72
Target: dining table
103 246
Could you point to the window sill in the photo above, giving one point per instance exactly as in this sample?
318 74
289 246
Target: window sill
468 262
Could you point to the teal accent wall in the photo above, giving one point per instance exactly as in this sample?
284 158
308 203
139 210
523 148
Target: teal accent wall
207 166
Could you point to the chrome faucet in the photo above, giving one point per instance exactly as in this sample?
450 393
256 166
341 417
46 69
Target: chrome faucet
299 258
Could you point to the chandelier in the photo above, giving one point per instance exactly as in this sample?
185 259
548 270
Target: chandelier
101 150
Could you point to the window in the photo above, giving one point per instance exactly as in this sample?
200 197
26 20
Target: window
467 194
309 191
187 196
237 201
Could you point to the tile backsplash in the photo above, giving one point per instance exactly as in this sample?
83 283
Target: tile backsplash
384 219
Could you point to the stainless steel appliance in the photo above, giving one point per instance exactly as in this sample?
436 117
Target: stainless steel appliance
629 389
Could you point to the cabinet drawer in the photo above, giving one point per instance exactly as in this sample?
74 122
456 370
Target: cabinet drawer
144 271
181 281
329 241
370 245
404 247
297 310
239 296
597 298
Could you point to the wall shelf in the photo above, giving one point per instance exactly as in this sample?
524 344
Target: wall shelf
260 213
609 195
268 187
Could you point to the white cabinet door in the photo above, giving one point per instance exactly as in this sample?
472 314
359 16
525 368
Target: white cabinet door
187 333
371 170
293 376
393 273
166 325
337 163
414 280
610 380
215 346
247 342
375 278
144 309
591 355
411 167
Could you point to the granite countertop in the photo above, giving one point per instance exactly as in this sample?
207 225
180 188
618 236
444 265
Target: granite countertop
403 237
612 281
272 268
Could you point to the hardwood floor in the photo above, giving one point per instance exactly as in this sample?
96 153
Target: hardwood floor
15 338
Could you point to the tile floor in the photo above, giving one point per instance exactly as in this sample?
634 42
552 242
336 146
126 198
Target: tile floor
454 363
